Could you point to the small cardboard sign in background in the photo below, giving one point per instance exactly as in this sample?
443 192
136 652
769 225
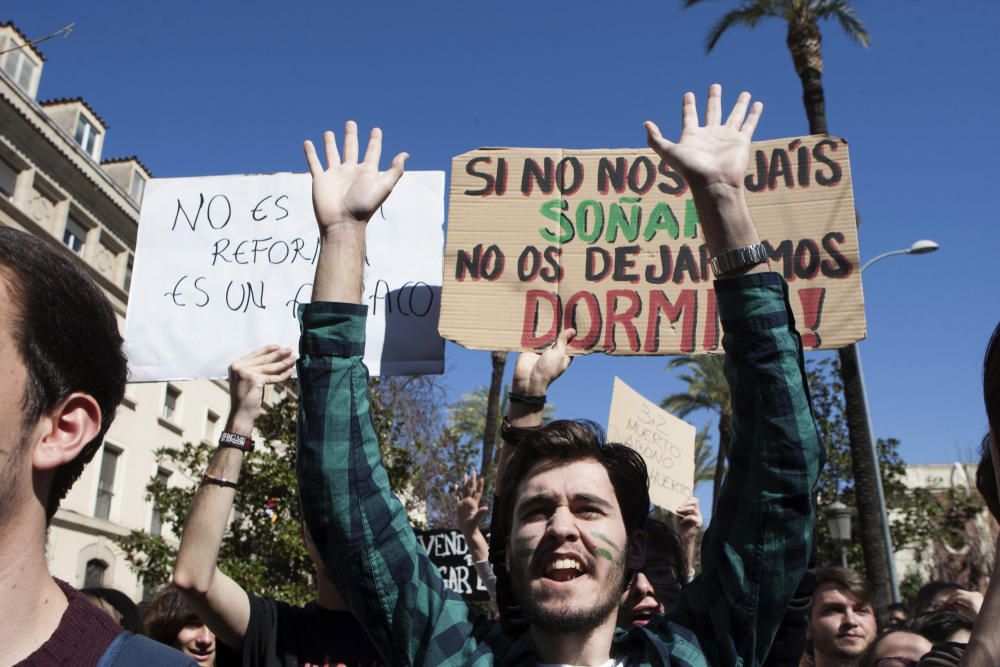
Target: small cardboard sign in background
608 241
449 552
665 442
222 263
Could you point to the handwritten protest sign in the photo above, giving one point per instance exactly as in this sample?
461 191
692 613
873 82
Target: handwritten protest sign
608 241
665 442
222 263
449 552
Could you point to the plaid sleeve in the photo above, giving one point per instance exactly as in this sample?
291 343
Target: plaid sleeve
758 544
360 529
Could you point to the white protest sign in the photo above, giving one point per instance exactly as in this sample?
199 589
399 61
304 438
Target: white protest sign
222 263
665 442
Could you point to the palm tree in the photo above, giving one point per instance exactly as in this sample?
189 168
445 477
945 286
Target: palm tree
493 405
803 40
704 462
707 390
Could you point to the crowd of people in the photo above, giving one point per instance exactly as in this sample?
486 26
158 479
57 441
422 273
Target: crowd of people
579 573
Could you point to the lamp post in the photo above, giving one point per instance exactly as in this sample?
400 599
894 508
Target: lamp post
921 247
838 519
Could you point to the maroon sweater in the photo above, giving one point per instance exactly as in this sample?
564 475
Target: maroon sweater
83 635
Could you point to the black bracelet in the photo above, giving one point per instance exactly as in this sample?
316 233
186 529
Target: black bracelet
536 401
513 435
219 481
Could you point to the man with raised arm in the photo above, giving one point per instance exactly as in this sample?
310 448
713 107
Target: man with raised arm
571 506
262 630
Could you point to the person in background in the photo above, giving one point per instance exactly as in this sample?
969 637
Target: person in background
899 647
897 613
842 623
62 376
263 630
469 511
654 587
933 596
118 605
171 621
943 626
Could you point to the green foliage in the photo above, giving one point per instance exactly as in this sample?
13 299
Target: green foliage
263 550
918 517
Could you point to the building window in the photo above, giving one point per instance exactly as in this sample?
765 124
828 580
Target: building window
128 272
211 426
106 482
75 235
8 178
20 69
170 401
94 575
156 523
138 186
86 135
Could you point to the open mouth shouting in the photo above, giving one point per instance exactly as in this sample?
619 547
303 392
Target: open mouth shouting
562 568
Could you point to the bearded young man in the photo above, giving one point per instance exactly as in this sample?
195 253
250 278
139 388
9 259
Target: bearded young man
571 506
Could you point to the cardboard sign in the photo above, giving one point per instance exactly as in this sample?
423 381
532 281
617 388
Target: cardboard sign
608 241
665 442
223 262
449 552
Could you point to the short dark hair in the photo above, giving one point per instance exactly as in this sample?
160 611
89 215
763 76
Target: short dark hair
131 619
986 480
940 626
991 381
844 579
565 441
928 592
168 614
67 336
661 536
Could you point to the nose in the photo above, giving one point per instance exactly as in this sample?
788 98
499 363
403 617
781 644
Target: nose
642 585
562 525
850 619
205 635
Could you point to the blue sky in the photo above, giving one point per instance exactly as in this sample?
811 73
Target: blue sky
224 87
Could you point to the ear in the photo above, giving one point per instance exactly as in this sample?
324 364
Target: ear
636 549
65 430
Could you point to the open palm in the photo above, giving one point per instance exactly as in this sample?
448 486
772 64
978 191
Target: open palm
348 191
715 153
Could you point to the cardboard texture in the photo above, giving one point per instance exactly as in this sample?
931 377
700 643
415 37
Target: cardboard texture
608 241
222 263
665 442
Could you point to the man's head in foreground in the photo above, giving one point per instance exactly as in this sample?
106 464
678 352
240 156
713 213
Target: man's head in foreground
841 620
574 523
654 587
62 374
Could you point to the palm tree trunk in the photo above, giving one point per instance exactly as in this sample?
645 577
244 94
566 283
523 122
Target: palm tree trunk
499 360
866 495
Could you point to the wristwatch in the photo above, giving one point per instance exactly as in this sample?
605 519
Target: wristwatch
236 441
738 258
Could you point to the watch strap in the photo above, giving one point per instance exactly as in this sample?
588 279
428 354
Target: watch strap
738 258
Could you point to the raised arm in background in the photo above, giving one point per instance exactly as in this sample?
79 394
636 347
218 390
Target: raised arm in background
219 600
469 512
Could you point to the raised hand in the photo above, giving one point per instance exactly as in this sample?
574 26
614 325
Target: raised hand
715 153
689 520
470 509
349 192
247 377
534 372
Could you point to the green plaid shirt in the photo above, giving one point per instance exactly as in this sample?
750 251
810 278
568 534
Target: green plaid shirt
753 554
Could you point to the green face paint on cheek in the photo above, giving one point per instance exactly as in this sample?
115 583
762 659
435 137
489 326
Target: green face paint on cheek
525 553
604 553
607 540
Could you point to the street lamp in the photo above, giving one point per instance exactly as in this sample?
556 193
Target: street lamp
838 520
921 247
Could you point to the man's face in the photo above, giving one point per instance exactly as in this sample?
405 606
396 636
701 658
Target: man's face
15 463
840 625
567 550
652 589
197 641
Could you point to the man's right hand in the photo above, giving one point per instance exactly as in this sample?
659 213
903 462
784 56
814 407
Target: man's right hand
347 193
247 377
469 509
